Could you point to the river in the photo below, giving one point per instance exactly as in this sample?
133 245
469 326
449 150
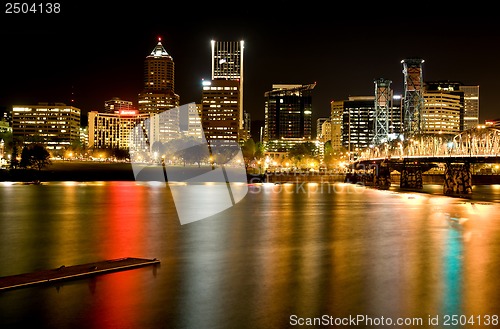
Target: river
283 256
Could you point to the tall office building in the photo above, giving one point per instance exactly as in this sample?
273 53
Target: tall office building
220 110
288 112
158 95
357 123
336 112
471 106
358 120
227 64
56 125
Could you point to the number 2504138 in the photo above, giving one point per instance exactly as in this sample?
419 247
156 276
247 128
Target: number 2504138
32 8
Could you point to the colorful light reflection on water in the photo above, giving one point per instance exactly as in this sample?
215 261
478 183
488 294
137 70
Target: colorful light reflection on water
307 250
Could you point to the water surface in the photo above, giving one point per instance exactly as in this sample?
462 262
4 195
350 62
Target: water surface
284 254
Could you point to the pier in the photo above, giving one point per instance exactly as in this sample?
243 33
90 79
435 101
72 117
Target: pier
73 272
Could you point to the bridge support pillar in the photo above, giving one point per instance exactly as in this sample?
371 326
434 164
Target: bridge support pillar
382 178
457 179
411 176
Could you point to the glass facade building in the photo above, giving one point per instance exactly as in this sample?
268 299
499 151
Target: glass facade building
227 64
288 112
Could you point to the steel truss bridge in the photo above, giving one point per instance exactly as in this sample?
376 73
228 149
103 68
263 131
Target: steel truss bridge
413 156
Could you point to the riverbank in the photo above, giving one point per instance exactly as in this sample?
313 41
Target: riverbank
122 171
87 171
73 171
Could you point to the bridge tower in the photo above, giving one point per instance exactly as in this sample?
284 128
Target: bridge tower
383 105
413 96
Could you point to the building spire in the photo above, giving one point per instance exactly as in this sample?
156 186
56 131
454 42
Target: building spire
159 50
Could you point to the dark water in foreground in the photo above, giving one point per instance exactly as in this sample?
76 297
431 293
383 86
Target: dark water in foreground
283 256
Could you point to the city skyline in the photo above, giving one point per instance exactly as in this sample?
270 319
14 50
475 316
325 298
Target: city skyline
370 225
342 55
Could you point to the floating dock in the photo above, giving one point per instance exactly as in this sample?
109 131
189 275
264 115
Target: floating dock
73 272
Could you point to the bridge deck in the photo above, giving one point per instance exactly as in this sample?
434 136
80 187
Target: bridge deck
73 272
485 158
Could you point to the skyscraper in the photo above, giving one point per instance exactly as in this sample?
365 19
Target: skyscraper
288 112
158 94
227 64
471 106
159 80
357 123
220 110
354 119
336 115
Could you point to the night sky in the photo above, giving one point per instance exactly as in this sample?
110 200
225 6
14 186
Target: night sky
91 55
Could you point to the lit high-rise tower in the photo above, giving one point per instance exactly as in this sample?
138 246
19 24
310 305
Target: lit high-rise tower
288 112
471 106
227 64
158 94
